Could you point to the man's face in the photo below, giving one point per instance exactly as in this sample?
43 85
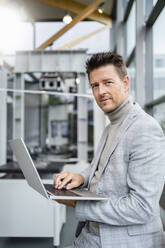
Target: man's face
108 88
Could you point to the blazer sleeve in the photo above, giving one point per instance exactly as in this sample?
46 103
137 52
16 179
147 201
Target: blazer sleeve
145 179
86 174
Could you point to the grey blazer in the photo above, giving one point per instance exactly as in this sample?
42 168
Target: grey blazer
132 178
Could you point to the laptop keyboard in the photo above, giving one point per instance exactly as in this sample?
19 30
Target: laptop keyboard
59 192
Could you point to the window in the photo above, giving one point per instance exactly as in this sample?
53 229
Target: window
45 30
131 73
21 38
159 56
131 31
159 62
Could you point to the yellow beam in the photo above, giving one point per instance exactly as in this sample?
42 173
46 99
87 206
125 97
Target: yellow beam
82 38
77 7
82 15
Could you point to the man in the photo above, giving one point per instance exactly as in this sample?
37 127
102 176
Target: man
128 167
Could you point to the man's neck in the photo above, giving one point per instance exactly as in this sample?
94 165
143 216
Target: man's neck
119 114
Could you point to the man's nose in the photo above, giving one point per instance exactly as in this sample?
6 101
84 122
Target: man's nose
102 89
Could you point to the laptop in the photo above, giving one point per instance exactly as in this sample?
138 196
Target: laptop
47 190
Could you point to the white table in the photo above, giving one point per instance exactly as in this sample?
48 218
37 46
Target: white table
25 213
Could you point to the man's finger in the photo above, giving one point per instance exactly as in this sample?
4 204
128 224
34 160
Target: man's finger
64 182
58 179
72 185
55 178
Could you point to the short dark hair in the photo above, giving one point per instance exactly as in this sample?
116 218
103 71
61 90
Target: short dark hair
100 59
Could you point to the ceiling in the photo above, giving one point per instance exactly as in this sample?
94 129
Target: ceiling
37 10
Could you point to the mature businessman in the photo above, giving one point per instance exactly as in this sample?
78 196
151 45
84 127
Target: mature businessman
128 167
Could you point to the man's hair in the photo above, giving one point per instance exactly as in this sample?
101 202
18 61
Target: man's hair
101 59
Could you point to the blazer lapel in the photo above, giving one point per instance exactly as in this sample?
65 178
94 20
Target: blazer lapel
123 128
99 150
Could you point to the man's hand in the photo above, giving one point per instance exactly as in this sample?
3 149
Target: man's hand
71 203
68 179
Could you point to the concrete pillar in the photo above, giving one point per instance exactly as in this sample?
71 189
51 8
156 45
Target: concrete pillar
149 59
120 42
3 117
113 36
34 35
140 65
18 107
82 121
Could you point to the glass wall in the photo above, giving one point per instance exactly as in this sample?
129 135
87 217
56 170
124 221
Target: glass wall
46 30
21 40
159 56
144 19
131 30
24 38
16 37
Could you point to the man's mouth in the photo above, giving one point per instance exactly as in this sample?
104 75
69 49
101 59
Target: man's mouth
105 99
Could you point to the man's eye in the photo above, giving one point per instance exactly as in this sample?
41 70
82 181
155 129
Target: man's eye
108 82
94 86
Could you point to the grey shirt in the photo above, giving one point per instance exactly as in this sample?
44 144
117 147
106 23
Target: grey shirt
116 117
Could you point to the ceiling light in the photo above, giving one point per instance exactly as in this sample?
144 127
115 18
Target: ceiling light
101 8
67 19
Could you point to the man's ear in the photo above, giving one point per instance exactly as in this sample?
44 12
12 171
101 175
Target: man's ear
126 83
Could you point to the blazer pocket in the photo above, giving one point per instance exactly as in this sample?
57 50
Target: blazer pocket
152 227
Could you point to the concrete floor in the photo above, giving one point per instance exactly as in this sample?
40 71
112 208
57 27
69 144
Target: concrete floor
67 236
